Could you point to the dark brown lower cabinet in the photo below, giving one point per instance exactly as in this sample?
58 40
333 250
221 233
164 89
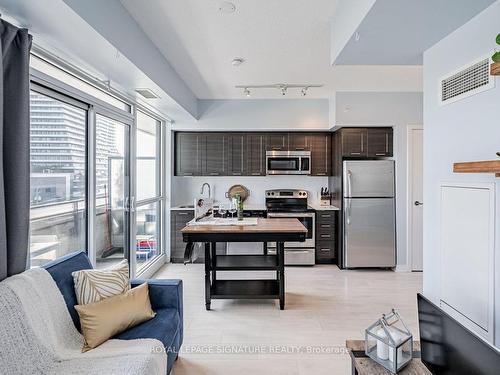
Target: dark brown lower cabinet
178 220
326 250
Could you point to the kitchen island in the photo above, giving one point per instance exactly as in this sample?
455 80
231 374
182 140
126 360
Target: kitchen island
265 230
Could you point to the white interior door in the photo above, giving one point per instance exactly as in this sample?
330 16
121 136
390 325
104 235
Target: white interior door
416 202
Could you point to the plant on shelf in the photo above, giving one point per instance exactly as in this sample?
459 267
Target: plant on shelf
496 55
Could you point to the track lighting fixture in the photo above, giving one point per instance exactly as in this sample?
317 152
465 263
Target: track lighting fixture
283 87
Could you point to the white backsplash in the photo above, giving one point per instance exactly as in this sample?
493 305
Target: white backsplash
184 189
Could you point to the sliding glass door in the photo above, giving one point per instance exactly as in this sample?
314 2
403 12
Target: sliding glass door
96 175
112 191
148 233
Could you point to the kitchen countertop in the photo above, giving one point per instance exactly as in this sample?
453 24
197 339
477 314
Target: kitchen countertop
317 207
260 207
246 207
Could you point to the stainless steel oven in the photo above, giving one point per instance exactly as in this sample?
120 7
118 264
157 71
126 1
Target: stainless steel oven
292 203
288 162
307 219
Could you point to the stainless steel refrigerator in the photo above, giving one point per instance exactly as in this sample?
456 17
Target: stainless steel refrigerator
369 225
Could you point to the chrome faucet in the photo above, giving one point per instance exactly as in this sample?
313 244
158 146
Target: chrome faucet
203 189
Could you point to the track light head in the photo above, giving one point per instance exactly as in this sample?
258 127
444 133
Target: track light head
304 91
283 90
246 91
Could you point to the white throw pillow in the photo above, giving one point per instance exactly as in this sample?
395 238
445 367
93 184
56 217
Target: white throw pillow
95 285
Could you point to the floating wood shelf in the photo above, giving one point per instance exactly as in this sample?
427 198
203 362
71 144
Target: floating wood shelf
487 166
495 69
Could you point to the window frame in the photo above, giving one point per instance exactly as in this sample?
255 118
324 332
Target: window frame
45 84
148 268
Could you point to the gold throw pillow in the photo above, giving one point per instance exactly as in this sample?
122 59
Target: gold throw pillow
104 319
94 285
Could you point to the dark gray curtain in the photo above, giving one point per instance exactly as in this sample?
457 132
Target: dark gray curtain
15 45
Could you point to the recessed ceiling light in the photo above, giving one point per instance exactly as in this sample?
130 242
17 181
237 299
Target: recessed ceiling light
227 7
237 61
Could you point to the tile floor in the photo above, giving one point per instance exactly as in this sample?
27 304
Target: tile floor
324 307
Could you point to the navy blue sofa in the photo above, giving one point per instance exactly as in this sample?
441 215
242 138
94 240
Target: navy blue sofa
165 296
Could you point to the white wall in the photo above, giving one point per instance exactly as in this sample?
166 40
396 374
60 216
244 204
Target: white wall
462 131
260 114
396 109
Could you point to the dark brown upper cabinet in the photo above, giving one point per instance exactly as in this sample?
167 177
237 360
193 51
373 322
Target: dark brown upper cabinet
354 142
299 142
215 154
321 150
256 154
379 142
188 154
277 142
236 158
366 142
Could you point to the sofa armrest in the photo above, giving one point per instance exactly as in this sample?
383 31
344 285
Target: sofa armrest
163 293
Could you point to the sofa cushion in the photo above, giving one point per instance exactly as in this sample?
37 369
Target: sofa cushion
60 270
95 285
164 327
104 319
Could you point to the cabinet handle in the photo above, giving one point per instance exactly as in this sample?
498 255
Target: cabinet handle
325 225
299 148
323 215
321 174
214 174
182 213
256 174
355 153
325 250
325 236
386 143
380 154
236 173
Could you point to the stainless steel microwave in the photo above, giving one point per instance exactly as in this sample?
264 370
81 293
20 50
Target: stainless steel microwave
288 162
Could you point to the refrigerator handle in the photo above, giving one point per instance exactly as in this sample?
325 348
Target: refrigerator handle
349 202
349 183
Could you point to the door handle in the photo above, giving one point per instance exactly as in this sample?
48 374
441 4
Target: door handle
417 203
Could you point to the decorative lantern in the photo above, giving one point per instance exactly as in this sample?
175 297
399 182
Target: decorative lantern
389 342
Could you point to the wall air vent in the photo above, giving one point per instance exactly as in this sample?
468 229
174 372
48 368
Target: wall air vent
147 93
467 81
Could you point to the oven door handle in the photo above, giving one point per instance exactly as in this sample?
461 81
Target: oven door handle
279 214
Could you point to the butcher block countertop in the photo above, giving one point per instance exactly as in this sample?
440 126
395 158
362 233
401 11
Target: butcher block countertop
281 225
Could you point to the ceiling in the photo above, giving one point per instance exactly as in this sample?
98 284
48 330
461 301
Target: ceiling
282 41
399 31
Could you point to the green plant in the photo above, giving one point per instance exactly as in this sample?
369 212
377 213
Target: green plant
496 55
